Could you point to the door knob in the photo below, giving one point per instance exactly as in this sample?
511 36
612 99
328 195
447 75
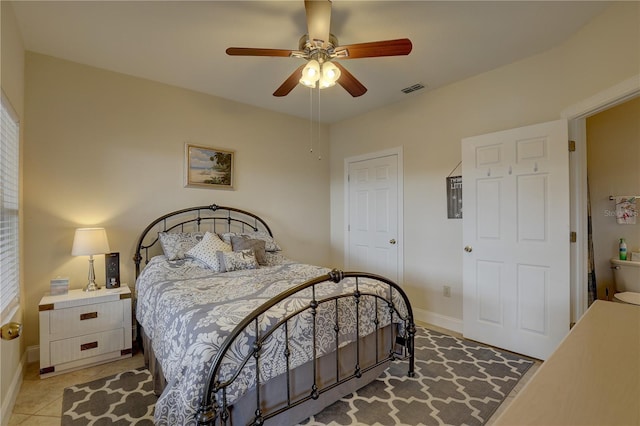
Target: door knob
392 241
10 330
468 249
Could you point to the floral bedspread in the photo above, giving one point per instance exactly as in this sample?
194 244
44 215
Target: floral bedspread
188 311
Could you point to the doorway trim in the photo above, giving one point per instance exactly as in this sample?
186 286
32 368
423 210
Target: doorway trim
577 115
397 151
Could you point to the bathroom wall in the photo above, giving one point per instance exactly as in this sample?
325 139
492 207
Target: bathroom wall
613 159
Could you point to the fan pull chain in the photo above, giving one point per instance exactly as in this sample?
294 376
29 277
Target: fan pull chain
311 120
318 124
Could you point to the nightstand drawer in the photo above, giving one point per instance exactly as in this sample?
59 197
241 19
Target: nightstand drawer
86 346
86 319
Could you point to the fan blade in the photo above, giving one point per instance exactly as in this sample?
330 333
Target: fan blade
290 82
318 20
249 51
401 46
349 82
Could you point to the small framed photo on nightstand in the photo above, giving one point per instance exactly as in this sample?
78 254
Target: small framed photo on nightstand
59 286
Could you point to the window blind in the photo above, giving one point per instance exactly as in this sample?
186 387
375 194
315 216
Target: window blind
9 178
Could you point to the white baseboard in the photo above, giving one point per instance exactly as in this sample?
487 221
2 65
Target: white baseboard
33 354
450 323
10 400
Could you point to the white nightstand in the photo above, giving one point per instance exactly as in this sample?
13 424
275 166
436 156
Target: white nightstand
79 329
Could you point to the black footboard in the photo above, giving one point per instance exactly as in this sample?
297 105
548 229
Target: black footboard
215 407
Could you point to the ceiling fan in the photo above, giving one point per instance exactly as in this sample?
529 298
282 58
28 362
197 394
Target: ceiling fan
320 49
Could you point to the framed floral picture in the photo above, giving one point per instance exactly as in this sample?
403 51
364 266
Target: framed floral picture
208 167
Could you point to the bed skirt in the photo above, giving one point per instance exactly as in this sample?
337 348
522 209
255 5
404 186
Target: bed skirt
273 393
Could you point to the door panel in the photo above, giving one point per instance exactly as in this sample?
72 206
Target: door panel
533 208
489 288
516 222
488 209
533 291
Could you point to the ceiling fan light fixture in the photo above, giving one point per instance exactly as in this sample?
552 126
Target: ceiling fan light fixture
318 46
310 84
330 72
311 71
324 83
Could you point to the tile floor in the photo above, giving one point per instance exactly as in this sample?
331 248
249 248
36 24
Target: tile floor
39 402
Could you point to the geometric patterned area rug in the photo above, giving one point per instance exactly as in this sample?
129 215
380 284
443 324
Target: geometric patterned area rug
457 382
124 399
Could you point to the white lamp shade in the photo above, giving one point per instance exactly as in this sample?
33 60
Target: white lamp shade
310 73
330 72
90 241
323 84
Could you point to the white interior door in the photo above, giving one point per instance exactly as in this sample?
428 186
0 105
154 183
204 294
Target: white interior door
516 238
373 231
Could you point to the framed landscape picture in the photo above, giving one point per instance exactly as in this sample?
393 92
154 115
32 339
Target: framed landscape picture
208 167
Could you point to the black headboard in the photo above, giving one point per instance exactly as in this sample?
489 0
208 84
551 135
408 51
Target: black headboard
211 218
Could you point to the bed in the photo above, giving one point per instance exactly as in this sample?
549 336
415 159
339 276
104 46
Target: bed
235 332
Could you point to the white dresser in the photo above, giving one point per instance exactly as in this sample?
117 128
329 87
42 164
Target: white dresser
592 378
80 329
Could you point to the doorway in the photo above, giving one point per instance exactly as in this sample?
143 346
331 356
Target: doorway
577 115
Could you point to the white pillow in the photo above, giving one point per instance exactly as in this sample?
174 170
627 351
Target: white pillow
205 250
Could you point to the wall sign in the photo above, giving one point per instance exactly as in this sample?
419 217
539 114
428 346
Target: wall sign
454 197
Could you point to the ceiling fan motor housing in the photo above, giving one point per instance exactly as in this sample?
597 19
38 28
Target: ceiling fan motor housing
312 49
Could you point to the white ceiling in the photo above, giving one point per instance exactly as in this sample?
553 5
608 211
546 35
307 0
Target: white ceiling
183 43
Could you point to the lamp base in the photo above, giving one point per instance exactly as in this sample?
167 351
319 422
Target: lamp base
92 286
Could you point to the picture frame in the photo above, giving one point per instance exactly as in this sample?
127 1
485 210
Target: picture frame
209 167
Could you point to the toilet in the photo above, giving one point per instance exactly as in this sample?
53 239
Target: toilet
626 276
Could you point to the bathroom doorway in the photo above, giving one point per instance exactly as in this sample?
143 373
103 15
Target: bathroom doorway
578 114
613 156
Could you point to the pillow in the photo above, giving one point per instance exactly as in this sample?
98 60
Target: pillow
205 251
176 244
236 260
274 258
243 242
270 243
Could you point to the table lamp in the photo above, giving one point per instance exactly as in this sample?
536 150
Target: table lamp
87 242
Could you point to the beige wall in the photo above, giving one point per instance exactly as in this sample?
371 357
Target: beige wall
107 149
12 81
431 124
613 157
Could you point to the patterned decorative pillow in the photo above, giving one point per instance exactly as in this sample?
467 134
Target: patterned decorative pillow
176 244
236 260
205 251
243 242
274 258
270 243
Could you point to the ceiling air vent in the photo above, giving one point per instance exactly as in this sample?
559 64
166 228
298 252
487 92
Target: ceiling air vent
413 88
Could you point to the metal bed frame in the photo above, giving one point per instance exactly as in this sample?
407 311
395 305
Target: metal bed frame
214 407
